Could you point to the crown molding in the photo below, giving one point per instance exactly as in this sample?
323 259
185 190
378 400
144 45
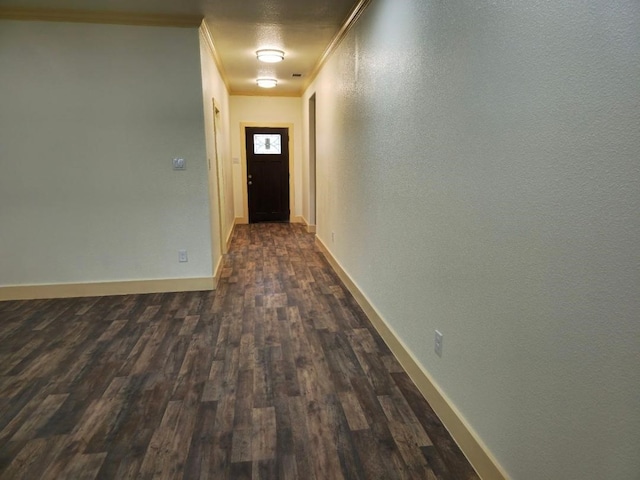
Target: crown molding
88 16
205 33
350 21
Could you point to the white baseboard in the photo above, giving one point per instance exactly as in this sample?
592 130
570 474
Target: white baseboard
467 439
310 228
99 289
218 273
230 236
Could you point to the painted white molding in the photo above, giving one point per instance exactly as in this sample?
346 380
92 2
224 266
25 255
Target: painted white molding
99 289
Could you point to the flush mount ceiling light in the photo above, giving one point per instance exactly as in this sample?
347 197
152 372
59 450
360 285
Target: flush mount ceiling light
267 82
269 55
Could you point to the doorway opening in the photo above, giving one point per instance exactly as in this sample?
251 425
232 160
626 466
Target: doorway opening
219 174
312 164
267 174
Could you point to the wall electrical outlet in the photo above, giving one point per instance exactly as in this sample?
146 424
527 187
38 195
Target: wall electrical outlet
182 256
438 343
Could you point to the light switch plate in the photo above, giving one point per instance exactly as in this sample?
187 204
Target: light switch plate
179 164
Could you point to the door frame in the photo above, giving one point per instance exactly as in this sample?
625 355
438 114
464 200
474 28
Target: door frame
219 174
312 170
243 175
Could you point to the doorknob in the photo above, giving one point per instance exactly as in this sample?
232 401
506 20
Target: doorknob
250 182
250 176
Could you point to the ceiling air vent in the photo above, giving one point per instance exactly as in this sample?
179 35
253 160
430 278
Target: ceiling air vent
296 75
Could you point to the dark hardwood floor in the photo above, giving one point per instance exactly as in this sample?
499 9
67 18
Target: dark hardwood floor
278 374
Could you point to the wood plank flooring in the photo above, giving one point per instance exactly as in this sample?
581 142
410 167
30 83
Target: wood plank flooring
276 375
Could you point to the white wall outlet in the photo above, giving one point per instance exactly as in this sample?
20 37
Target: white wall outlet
179 164
182 256
333 236
438 343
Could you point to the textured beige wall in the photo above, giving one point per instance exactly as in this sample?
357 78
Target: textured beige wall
478 163
90 118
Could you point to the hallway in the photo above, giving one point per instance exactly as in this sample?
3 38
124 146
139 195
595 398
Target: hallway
277 374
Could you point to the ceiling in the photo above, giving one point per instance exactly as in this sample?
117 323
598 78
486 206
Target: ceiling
303 29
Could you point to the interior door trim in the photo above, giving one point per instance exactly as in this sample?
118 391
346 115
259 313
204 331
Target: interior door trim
243 175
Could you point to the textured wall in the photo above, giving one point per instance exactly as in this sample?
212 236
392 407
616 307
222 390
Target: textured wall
267 110
90 118
479 165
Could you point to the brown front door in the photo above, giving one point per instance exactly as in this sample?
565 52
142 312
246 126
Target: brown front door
268 174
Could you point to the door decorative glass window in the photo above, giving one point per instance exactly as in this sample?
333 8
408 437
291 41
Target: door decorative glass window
264 144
